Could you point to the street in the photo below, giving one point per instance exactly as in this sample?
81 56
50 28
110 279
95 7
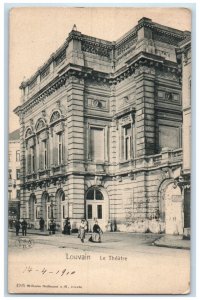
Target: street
123 263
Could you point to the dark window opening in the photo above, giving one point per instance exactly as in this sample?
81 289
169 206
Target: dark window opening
99 211
89 211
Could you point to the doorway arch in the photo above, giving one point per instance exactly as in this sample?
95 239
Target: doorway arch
171 207
46 208
62 211
96 206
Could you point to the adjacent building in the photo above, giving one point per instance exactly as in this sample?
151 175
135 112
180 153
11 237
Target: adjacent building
14 176
184 180
101 132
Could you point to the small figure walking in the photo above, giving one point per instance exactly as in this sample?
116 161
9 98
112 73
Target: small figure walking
42 224
24 227
82 230
17 227
52 227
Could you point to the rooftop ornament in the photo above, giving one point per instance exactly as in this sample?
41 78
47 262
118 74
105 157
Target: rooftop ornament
74 28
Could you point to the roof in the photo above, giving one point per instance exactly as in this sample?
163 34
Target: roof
74 33
15 135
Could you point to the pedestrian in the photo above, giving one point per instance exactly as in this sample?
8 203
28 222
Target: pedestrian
67 227
52 227
24 227
82 230
97 232
42 224
17 227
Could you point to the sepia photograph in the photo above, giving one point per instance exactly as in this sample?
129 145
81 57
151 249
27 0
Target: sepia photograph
99 150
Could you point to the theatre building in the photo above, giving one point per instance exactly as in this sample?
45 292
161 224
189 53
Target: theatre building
101 132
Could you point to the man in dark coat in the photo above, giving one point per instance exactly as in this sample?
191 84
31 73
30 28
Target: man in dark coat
24 227
67 227
17 227
41 224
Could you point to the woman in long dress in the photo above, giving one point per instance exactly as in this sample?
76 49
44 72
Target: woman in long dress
97 232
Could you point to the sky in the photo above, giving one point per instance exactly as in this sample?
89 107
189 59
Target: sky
35 33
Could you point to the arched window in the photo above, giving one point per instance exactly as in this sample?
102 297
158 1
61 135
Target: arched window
40 124
94 194
60 195
62 208
45 197
94 204
55 116
43 145
30 151
28 133
58 138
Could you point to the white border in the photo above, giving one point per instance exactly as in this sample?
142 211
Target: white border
3 120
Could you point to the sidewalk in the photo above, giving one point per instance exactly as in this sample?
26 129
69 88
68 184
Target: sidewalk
32 231
172 241
169 241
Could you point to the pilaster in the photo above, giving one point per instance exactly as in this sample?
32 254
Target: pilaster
145 111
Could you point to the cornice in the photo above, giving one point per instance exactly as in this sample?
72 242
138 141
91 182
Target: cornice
105 48
138 63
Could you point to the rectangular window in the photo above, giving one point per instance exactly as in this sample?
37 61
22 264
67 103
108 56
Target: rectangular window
99 211
49 210
37 212
127 131
60 148
18 155
89 211
33 159
45 154
9 174
63 212
97 147
18 194
17 174
169 137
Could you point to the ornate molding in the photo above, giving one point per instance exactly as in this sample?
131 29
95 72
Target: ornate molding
43 183
96 48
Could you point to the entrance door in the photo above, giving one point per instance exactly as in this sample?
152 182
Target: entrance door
95 208
173 210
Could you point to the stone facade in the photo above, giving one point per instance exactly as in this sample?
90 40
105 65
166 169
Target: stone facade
101 132
184 180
